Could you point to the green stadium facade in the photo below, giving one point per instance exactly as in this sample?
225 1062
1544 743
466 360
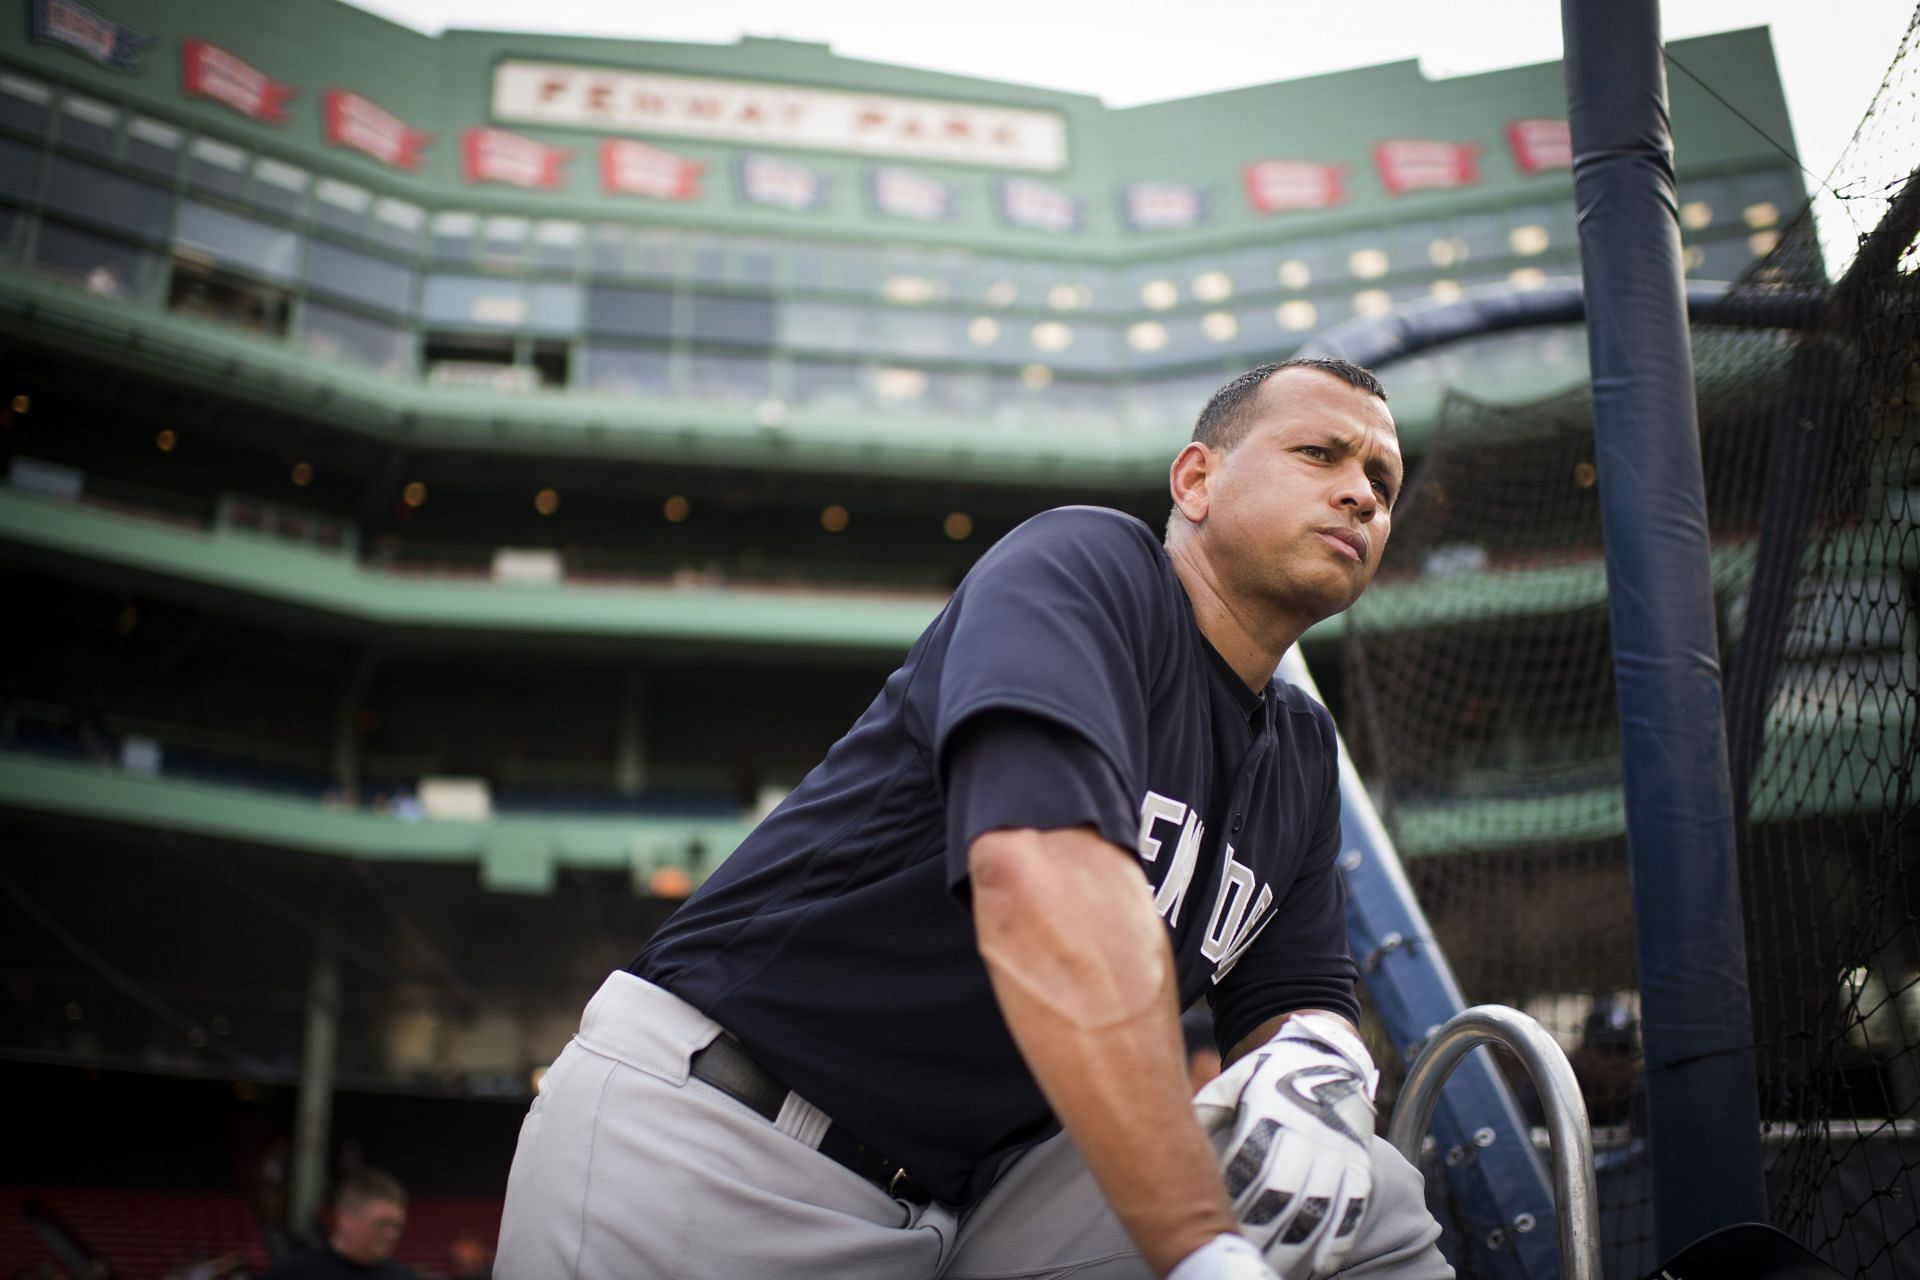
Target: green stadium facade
453 481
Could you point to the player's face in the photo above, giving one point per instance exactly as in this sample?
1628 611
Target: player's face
1300 508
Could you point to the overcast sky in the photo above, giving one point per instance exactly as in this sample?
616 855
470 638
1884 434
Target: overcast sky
1832 53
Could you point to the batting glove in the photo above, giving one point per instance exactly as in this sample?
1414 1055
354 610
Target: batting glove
1292 1123
1225 1257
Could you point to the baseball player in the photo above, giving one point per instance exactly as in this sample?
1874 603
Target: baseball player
924 1021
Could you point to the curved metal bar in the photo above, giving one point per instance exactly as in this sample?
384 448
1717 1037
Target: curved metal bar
1576 1202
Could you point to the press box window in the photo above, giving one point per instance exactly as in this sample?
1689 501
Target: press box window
19 170
219 236
474 360
215 166
24 103
154 147
88 124
362 277
341 205
628 370
280 187
397 224
199 288
105 268
341 335
79 189
639 313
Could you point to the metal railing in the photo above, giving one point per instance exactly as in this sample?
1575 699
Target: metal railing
1575 1200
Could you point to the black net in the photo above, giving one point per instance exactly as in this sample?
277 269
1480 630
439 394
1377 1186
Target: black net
1480 690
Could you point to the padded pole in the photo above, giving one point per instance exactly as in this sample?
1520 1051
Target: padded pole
313 1116
1689 941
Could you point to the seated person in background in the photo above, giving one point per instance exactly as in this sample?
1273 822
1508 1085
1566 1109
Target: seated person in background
369 1215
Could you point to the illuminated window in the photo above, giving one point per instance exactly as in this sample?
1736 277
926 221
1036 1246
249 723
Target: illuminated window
1295 274
1763 214
1763 242
1528 240
1148 335
899 384
909 291
1159 294
1296 315
1052 336
1001 293
1220 326
1446 251
1372 302
1694 258
1527 278
1367 264
1445 290
1214 286
1037 377
1696 214
983 331
1067 297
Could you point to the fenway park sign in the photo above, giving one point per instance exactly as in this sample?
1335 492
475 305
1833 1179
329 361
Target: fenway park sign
612 100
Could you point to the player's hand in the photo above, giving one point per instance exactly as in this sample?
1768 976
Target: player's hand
1292 1123
1223 1258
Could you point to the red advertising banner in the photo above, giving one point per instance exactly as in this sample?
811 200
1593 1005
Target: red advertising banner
1276 185
208 71
494 155
359 124
1538 145
1419 164
637 169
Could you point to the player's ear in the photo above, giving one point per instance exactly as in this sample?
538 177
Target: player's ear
1191 481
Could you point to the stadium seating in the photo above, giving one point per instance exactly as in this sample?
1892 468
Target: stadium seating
144 1235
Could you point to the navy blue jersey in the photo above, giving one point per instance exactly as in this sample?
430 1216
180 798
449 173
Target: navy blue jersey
836 944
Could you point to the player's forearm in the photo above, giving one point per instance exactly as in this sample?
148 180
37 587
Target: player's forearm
1084 977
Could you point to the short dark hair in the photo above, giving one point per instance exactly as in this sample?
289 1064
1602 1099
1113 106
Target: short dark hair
362 1185
1229 412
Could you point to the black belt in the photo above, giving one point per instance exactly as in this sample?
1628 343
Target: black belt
726 1066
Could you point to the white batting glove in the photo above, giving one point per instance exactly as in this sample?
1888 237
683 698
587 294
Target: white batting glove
1225 1257
1292 1123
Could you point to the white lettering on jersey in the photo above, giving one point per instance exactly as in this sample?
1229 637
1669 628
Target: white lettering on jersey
1155 807
1186 856
1232 927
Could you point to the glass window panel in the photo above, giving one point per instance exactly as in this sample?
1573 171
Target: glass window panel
823 326
706 257
809 266
1002 282
215 166
1704 202
1771 187
712 376
340 335
280 187
1480 238
556 308
1256 270
503 241
397 223
755 262
1077 400
607 251
955 391
13 225
19 169
641 312
485 302
88 123
108 268
1172 403
360 276
732 318
340 205
153 146
226 237
1094 348
826 384
452 236
628 370
657 252
1306 263
78 188
557 244
24 102
1724 259
918 333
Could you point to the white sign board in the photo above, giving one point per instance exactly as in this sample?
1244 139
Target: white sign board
759 113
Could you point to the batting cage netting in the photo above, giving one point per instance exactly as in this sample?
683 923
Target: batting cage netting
1481 711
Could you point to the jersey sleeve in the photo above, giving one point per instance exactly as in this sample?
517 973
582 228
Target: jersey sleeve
1065 621
1009 769
1301 960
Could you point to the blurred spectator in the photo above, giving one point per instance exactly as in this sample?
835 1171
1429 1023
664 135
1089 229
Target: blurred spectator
369 1213
1607 1062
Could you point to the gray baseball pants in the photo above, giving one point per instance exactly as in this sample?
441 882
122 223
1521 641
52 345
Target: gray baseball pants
628 1168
